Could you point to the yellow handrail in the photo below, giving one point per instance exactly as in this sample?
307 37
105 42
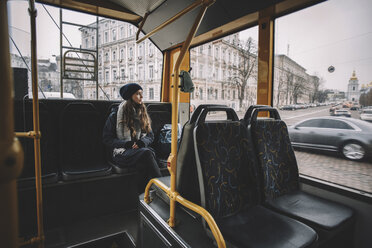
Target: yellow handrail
172 160
35 134
194 207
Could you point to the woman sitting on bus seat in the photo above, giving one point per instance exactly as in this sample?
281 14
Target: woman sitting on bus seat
133 129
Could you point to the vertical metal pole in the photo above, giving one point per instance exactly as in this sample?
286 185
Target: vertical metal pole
11 155
172 160
265 56
96 63
35 104
60 50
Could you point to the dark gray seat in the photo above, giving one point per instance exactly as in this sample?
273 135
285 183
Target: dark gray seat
81 148
187 175
281 191
230 189
187 183
49 169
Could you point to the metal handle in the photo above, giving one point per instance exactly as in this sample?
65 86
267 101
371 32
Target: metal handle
271 110
229 112
199 109
249 112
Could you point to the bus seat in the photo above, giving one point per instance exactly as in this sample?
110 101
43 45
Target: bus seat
158 120
187 183
81 148
229 189
281 191
187 176
49 169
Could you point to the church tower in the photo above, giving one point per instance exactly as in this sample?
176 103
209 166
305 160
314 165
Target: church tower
353 89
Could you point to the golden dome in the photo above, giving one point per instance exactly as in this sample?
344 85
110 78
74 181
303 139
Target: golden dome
353 77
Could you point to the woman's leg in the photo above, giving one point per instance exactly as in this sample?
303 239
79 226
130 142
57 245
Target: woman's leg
148 163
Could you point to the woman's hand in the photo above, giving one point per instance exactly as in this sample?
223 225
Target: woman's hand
135 146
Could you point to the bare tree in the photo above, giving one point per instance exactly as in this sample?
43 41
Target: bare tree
246 69
299 88
288 81
315 84
366 98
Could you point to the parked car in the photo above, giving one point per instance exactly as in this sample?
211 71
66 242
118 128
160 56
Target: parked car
351 137
366 115
342 112
288 107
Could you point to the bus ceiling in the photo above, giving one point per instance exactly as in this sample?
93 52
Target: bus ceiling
222 18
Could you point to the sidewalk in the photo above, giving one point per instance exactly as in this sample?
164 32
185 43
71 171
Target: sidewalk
356 175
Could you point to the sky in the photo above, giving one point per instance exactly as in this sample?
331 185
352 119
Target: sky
333 33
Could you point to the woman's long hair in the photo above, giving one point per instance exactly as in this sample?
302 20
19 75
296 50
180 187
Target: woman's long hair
144 118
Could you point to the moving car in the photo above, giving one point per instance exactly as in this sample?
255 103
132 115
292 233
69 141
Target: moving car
332 110
366 115
342 112
351 137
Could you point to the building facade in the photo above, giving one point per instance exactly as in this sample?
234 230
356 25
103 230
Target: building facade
122 61
223 71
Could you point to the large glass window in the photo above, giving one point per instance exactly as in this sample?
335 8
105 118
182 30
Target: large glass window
322 68
215 75
114 59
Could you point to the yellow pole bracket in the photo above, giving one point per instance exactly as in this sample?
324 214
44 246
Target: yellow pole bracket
30 134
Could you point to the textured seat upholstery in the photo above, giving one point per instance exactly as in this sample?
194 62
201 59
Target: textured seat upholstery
229 188
276 157
81 148
280 179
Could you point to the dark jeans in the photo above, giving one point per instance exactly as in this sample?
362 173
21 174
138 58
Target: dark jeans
144 161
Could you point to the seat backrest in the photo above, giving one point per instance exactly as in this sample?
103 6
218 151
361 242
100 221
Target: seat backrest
81 145
187 175
276 158
248 114
47 142
226 171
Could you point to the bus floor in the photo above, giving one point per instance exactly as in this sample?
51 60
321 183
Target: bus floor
88 233
154 231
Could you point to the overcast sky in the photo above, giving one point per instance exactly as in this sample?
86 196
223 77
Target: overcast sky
334 33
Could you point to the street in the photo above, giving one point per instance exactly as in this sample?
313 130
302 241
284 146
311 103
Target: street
327 166
293 116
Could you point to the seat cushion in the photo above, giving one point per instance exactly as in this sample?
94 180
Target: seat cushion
312 209
79 174
259 227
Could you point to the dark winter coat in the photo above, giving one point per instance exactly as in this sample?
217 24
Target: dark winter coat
118 147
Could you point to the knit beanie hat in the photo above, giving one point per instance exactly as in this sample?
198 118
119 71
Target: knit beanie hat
126 91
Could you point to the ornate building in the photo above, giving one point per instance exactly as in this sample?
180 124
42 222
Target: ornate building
121 60
217 68
353 93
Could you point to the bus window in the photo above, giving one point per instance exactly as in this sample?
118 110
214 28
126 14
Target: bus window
322 61
224 71
119 59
